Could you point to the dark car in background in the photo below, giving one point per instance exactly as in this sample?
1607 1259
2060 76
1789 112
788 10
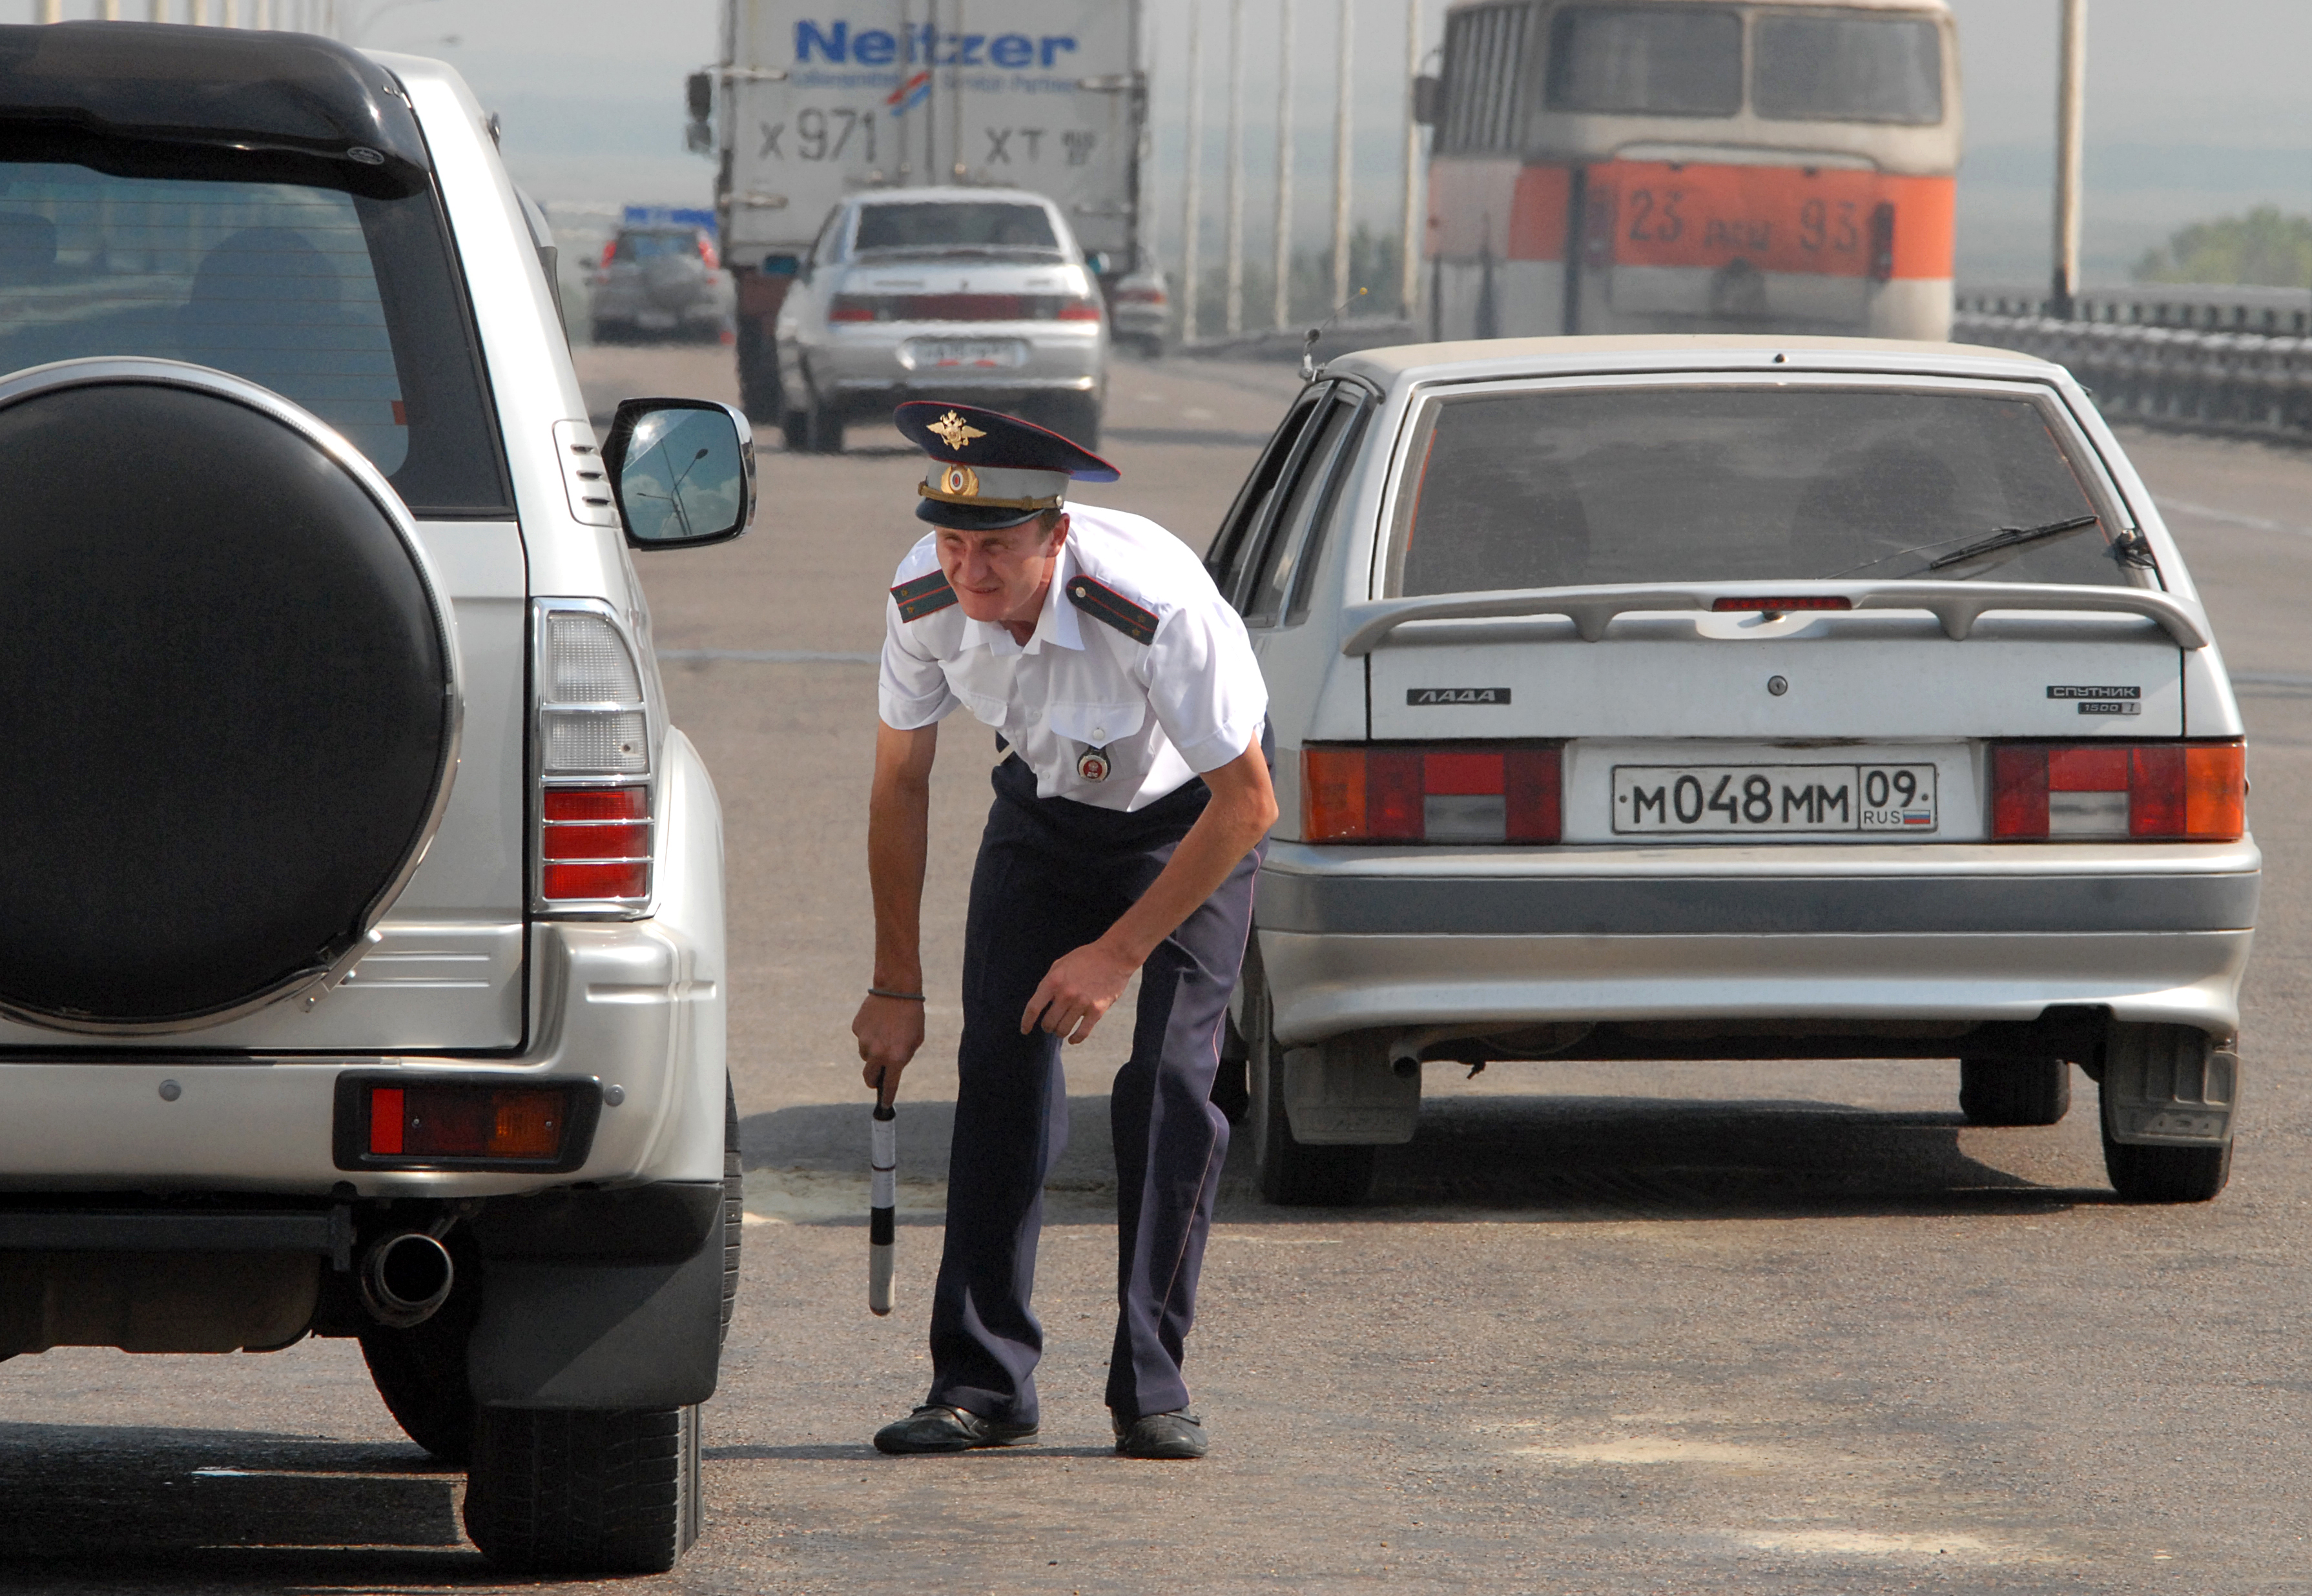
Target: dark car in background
661 283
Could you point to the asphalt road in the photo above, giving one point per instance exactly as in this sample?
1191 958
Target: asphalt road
1688 1328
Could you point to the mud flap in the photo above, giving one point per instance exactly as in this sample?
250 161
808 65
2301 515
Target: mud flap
2168 1085
640 1327
1345 1092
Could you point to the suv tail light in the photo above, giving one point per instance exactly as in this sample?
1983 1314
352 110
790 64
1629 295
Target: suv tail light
398 1120
2194 792
592 758
1467 793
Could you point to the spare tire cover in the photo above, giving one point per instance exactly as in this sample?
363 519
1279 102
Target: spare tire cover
232 700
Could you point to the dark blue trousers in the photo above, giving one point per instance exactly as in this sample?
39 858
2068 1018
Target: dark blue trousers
1054 875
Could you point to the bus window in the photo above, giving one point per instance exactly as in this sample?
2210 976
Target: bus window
1658 60
1484 57
1848 69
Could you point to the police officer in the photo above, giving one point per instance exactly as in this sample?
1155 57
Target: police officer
1131 800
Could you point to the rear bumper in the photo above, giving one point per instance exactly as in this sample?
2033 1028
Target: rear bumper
1363 939
625 1004
870 363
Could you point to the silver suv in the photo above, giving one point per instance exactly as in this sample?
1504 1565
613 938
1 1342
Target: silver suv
364 969
955 294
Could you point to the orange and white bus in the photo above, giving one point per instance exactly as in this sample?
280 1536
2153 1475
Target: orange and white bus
1670 166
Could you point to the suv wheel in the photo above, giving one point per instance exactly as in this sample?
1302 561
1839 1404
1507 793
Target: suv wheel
420 1371
2014 1091
584 1493
1291 1173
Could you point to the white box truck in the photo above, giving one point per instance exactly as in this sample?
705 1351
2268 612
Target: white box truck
816 99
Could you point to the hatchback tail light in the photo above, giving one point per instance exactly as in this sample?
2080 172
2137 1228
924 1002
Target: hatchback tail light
1084 309
593 762
2194 792
1468 793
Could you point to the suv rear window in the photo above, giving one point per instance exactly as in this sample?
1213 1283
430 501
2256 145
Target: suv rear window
1665 485
344 303
1662 60
934 225
1848 69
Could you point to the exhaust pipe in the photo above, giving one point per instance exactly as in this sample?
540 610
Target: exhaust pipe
406 1278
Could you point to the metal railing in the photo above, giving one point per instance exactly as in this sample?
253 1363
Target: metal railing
2236 361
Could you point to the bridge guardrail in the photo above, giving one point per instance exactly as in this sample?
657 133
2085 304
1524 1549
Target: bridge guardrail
2235 361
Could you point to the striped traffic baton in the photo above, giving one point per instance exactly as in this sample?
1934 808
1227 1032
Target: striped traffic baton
883 1177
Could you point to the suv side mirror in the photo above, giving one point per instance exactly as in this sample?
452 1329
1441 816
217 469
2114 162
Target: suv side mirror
682 471
781 266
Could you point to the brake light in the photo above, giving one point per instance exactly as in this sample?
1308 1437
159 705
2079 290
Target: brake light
1140 296
852 307
2194 792
1469 793
594 821
1078 310
519 1124
610 252
706 254
1783 606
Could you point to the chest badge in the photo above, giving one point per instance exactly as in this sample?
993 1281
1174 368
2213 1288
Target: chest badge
1093 766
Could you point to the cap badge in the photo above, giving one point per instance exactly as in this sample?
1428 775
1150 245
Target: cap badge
956 430
959 482
1093 766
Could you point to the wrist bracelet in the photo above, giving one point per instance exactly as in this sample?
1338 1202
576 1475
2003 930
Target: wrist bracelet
888 992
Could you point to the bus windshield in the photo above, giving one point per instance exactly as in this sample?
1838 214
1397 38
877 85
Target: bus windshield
1681 61
1848 69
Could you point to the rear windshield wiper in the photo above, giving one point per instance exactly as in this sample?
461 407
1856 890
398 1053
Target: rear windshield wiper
2013 538
2006 540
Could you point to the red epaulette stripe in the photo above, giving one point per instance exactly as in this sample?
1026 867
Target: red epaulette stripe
925 596
1104 603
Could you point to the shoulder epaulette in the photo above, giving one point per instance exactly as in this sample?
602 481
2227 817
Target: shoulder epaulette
925 596
1104 603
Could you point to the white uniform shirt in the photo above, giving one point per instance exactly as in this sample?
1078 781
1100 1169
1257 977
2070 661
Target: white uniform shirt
1153 714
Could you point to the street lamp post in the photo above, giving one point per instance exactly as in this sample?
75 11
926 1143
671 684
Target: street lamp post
2071 127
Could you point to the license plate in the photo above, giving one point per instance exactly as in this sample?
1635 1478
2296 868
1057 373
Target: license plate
947 354
1740 799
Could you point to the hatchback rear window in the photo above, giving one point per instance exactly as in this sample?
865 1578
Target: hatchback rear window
1665 485
931 224
347 304
649 246
1848 69
1660 60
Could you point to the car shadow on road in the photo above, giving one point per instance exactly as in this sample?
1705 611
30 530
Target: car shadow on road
96 1508
1536 1157
1622 1158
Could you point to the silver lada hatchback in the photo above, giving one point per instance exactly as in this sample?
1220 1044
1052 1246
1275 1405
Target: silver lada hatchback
362 973
956 293
1734 697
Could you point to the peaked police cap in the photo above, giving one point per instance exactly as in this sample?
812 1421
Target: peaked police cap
989 470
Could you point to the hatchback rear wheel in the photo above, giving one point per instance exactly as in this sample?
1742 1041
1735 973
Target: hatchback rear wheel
2014 1091
1293 1173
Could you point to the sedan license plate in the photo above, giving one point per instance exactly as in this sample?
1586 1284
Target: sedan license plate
948 353
1742 799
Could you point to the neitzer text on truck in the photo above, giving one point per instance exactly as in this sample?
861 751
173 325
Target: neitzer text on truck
814 101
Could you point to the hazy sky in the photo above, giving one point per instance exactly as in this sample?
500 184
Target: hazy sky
2193 110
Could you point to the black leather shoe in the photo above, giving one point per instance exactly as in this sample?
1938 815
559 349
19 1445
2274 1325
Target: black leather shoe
933 1428
1179 1435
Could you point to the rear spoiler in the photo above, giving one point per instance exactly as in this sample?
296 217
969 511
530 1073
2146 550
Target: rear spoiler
1957 605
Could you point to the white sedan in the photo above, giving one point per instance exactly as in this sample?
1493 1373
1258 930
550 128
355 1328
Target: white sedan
1734 697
